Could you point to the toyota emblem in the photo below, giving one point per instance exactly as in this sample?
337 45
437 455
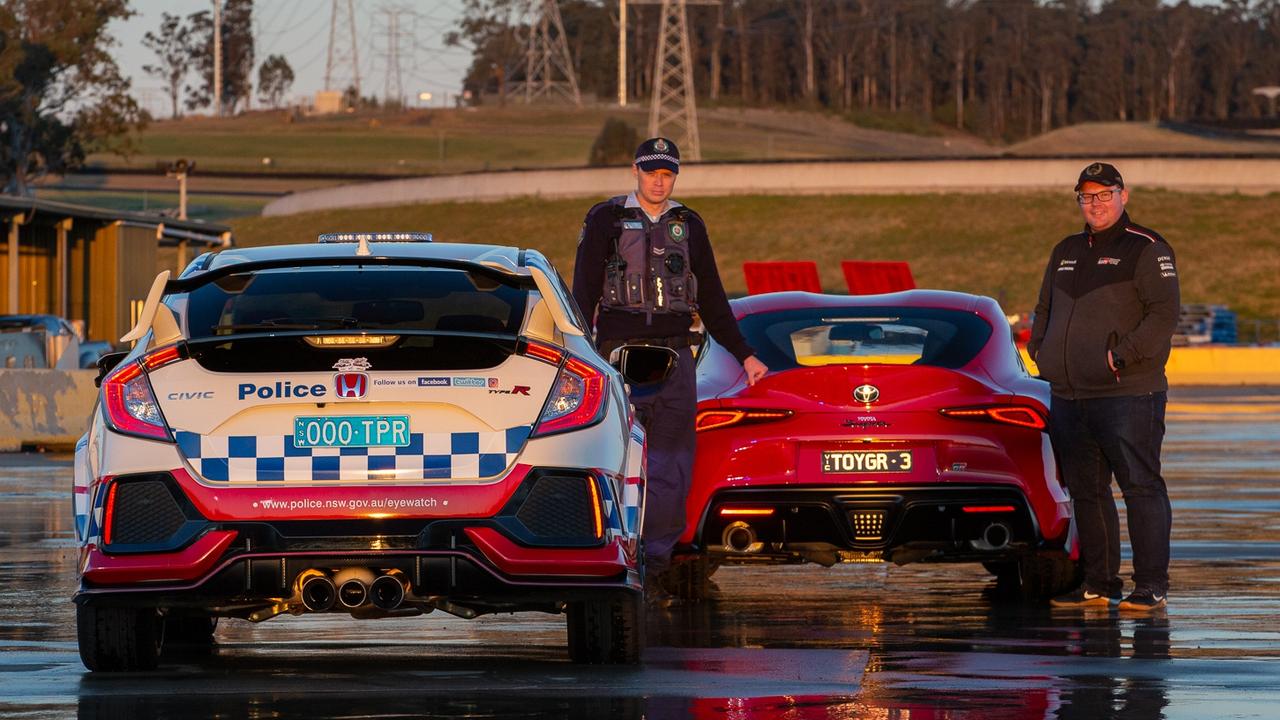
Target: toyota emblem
866 394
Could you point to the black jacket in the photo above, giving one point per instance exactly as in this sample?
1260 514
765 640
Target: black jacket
596 245
1115 290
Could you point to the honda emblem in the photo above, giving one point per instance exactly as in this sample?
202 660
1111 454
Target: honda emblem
350 385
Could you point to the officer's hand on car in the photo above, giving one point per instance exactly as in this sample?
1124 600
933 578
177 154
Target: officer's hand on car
755 369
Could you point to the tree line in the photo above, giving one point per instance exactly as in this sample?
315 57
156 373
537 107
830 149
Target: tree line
1001 68
185 45
62 95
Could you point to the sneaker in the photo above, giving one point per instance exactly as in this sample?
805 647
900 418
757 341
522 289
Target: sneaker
1082 597
1143 600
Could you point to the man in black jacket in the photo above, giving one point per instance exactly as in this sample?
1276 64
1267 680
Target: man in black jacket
644 267
1103 327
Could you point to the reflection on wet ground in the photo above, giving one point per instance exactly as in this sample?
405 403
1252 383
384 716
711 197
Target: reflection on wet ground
788 642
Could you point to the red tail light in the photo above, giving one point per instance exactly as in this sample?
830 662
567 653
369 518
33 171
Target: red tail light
128 401
109 513
1019 415
596 516
577 397
988 508
728 417
745 512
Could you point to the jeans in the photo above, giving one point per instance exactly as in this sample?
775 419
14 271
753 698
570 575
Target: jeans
667 411
1096 438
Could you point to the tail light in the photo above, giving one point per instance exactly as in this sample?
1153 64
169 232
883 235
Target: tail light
746 512
109 513
577 396
128 400
728 417
1019 415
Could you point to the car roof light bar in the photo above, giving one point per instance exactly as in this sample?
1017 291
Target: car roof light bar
374 237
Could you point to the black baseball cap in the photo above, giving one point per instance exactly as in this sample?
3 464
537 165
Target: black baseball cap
658 154
1101 173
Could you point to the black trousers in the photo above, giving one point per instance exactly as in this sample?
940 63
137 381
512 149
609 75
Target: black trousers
1095 439
667 411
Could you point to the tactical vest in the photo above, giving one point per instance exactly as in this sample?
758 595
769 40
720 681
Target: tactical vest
649 270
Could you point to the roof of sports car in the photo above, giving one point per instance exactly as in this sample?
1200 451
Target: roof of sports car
508 257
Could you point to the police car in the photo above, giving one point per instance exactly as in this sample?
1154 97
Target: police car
376 425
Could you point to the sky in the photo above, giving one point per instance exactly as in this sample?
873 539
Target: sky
299 30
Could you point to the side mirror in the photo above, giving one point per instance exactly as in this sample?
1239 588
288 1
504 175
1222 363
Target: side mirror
106 363
644 364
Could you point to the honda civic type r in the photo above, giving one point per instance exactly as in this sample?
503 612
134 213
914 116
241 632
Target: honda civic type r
359 426
898 427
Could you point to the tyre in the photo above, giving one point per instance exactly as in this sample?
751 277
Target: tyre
1043 575
607 631
188 634
119 639
690 579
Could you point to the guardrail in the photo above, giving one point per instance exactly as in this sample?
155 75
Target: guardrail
817 177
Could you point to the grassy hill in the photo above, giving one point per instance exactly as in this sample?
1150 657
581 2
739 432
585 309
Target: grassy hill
994 244
460 140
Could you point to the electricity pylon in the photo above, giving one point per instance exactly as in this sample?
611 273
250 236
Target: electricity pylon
674 104
548 65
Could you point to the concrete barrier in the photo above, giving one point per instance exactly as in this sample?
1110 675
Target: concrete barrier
1201 174
1216 365
45 407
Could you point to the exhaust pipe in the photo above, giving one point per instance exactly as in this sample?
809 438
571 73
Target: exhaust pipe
997 535
739 537
353 586
387 591
317 590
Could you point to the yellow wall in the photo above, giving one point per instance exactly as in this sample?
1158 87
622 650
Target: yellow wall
1216 365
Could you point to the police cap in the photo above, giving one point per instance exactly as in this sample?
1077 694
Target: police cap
658 154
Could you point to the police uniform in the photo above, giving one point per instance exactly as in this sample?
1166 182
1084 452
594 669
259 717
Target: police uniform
641 279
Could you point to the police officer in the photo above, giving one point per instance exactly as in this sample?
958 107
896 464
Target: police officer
644 267
1102 333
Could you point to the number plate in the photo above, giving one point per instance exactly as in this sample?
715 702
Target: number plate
866 461
351 431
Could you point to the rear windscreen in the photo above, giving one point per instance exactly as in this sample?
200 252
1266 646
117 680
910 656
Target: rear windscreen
357 298
887 336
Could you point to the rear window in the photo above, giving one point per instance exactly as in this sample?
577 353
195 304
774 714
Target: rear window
365 298
847 336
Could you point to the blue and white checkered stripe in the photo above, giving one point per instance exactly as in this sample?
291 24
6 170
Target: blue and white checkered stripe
266 458
93 533
622 518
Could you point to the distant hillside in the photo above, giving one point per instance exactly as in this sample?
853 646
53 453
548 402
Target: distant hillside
492 138
1141 138
994 244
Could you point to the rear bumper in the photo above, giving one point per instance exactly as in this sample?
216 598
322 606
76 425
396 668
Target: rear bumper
244 582
869 523
539 544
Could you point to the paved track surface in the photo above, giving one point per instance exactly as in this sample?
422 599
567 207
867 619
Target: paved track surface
803 642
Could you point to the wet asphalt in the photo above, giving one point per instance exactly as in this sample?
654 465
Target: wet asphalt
854 641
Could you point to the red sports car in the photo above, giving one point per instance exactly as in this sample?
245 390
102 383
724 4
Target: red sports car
899 427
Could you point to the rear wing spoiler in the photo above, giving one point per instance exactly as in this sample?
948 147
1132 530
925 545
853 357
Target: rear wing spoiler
156 317
159 318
